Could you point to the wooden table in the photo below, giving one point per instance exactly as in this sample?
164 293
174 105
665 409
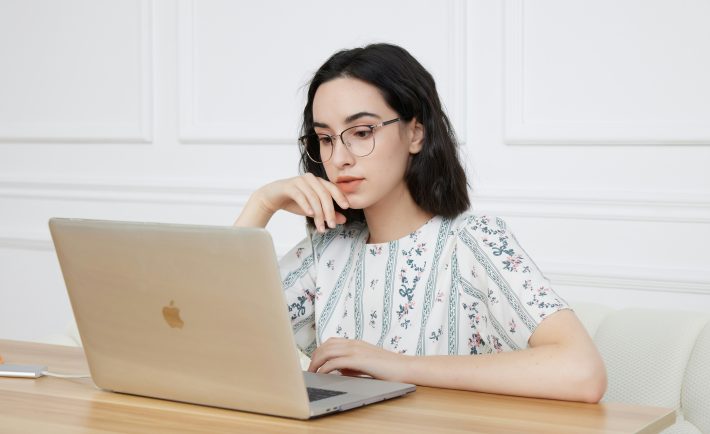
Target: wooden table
53 405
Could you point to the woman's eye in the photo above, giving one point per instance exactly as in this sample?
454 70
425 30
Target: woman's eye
326 141
363 133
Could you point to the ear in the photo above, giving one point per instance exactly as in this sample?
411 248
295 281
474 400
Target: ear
417 138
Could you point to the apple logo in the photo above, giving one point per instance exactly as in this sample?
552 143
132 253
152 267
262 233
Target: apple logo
172 315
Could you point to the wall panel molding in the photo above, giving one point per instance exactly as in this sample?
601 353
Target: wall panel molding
33 242
675 207
65 133
154 192
629 278
521 131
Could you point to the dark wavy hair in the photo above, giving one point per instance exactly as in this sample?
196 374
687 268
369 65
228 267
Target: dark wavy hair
435 176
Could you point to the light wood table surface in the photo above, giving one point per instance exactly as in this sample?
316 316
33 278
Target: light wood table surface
54 405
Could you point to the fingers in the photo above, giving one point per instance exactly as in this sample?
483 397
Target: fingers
308 201
321 197
339 354
324 210
303 202
307 195
330 349
335 193
356 357
333 365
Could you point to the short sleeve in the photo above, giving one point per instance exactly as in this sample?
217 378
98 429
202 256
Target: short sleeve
518 296
298 276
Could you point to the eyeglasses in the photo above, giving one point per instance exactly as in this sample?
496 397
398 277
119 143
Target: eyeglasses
360 141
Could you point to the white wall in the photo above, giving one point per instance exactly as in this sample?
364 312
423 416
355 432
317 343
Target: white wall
584 123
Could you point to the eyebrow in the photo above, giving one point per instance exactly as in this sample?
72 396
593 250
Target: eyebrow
349 119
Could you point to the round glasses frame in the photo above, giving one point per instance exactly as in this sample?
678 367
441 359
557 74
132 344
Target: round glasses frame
311 142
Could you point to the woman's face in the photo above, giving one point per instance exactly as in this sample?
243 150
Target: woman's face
346 102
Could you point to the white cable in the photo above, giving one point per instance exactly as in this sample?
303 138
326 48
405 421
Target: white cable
54 374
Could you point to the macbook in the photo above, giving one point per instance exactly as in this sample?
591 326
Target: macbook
194 314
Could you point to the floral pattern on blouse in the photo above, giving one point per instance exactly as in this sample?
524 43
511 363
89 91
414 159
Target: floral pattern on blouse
453 286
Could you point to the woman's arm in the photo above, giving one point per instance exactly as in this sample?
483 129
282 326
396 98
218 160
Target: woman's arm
560 363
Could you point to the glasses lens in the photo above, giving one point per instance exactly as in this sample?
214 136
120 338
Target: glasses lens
318 147
360 140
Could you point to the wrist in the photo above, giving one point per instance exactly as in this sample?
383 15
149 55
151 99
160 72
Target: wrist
410 366
261 205
254 213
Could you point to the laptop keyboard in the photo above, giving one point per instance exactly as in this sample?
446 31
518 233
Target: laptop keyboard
315 394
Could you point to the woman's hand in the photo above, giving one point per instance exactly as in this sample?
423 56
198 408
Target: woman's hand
355 357
306 195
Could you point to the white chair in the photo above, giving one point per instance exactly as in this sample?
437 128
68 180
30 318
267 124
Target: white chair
655 357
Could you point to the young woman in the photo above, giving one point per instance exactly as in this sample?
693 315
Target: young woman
397 280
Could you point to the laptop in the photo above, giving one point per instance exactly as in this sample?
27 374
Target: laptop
194 314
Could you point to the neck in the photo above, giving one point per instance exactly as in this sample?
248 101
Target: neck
394 216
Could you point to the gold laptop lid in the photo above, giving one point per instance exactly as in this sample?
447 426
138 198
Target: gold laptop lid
187 313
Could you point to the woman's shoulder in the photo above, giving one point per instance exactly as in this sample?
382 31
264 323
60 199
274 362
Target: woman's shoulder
481 235
488 240
478 224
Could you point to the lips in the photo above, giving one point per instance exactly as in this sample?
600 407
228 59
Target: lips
348 184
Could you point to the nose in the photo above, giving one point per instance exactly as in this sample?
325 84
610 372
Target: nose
341 154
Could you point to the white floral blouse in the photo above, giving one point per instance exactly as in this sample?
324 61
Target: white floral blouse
453 286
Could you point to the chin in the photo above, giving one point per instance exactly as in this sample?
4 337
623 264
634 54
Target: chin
357 202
